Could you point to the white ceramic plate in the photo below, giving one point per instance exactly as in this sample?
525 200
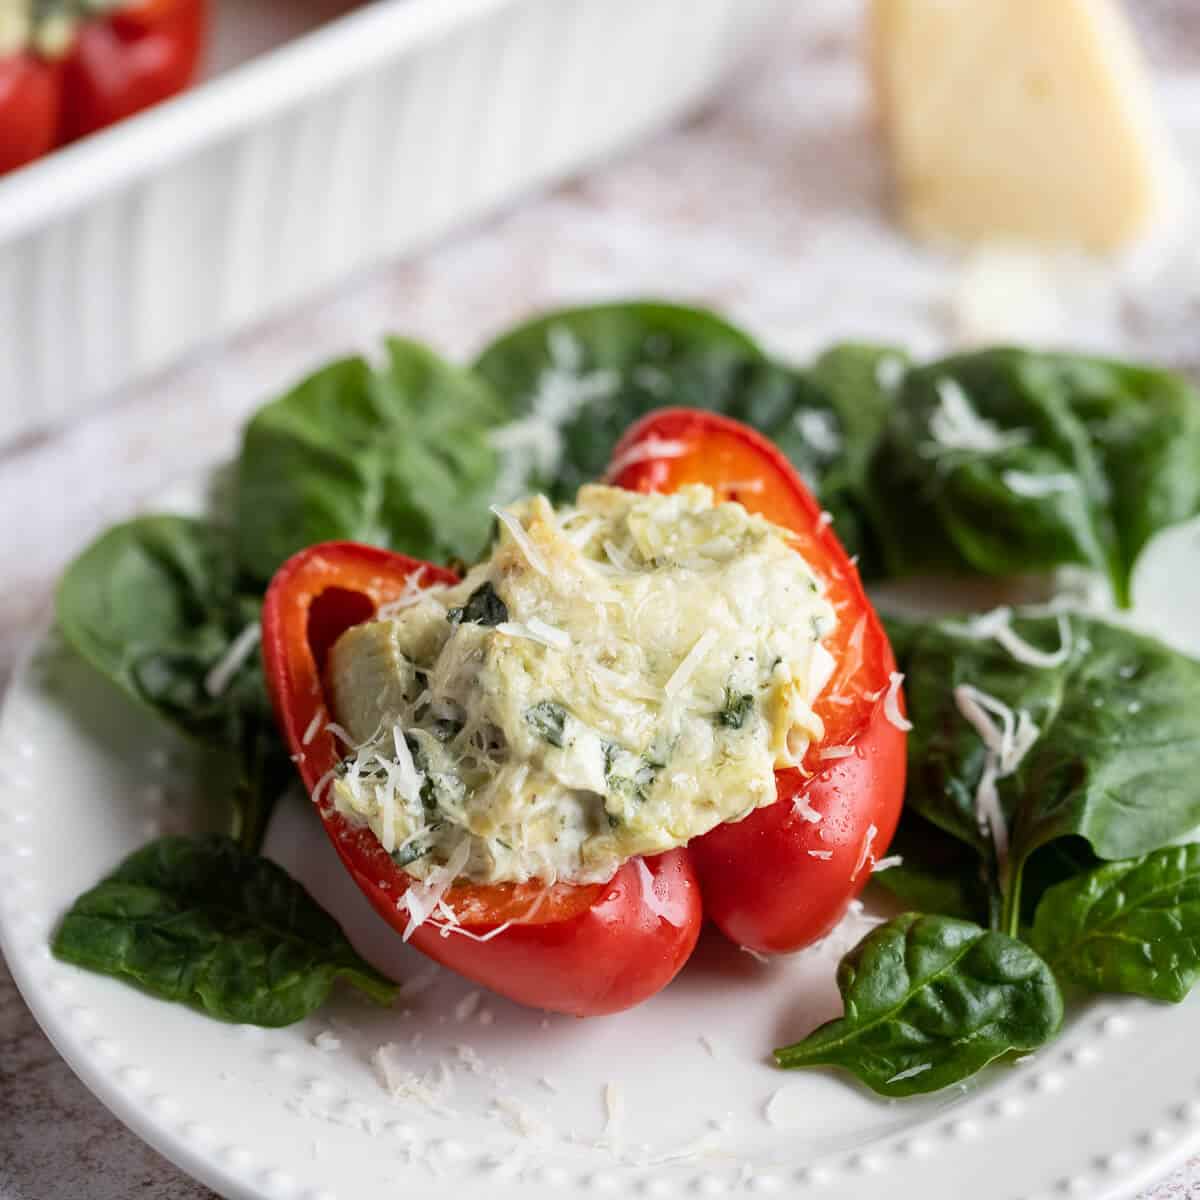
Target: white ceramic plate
675 1098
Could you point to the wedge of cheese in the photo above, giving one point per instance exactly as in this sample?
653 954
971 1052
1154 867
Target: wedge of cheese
1027 119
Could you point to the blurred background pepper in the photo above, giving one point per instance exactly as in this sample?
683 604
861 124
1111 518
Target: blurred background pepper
70 67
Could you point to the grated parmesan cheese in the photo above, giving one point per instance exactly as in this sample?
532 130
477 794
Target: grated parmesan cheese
614 1109
1036 487
891 703
889 372
420 983
832 752
804 810
314 727
549 634
864 851
221 674
423 895
464 1010
820 430
447 929
691 661
955 425
340 732
1005 746
412 593
522 539
652 447
402 1084
909 1072
534 443
997 625
886 864
736 487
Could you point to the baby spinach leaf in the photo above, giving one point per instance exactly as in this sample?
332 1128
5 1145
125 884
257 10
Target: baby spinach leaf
1113 762
1144 428
1131 926
483 607
1064 858
928 1002
153 605
851 389
575 380
397 457
199 922
1008 461
937 873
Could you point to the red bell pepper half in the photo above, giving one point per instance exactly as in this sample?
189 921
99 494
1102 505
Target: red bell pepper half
775 881
113 65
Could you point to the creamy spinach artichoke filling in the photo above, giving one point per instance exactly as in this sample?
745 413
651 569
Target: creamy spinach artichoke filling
618 678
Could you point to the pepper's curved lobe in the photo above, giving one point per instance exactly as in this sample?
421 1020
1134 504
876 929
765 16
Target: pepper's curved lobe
583 950
785 875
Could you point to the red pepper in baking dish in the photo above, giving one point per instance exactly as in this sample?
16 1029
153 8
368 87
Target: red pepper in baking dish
774 881
71 67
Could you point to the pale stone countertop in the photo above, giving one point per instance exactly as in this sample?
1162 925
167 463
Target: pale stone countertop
769 206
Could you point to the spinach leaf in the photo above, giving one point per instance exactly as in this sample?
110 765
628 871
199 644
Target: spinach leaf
549 721
851 389
1056 861
397 457
1114 759
153 605
936 873
1131 926
575 380
483 607
1144 428
1007 461
200 922
928 1002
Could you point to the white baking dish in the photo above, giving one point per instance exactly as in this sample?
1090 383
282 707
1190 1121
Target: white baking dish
365 138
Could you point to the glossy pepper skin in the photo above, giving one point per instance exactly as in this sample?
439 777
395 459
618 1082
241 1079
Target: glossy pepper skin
596 949
117 64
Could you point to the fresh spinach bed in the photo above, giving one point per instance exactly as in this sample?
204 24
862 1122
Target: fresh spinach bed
1052 761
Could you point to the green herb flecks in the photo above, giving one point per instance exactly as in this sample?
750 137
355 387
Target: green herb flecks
483 607
549 722
737 707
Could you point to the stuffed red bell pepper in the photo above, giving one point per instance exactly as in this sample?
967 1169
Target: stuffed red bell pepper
668 701
71 67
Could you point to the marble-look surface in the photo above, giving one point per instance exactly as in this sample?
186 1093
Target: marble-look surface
769 205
